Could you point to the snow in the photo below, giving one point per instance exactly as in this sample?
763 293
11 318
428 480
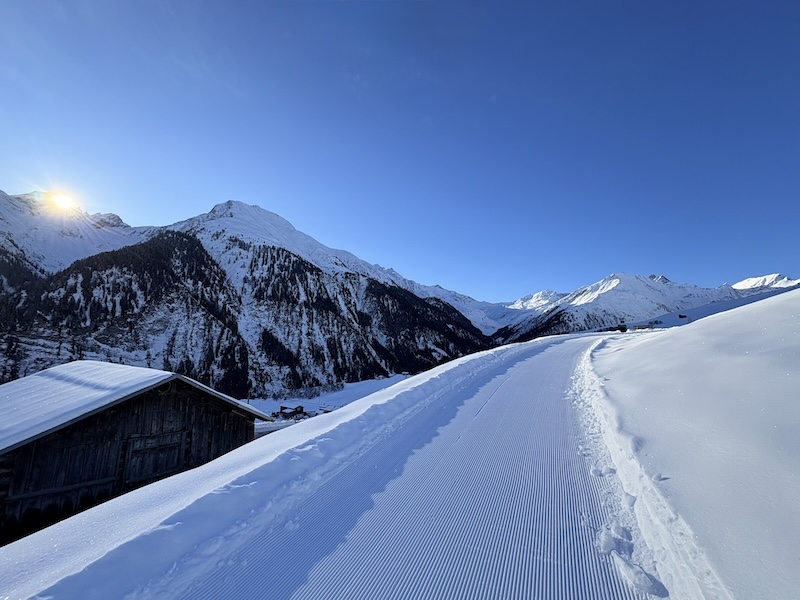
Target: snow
636 296
593 292
629 465
330 400
255 225
775 280
221 228
689 315
53 238
675 452
540 301
707 418
634 299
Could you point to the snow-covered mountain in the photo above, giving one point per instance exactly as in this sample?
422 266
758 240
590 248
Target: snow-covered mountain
239 222
231 225
230 298
48 238
756 284
538 301
241 300
622 298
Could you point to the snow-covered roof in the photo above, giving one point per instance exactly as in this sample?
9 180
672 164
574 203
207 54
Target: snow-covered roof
51 399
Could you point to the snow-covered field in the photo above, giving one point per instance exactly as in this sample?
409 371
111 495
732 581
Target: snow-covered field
586 466
350 392
704 423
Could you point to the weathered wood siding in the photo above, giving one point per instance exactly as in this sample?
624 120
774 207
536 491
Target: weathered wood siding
161 432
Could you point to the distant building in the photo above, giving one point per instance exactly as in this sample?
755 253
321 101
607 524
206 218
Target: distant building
75 435
292 412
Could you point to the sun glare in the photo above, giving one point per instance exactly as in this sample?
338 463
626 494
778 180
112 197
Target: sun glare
63 201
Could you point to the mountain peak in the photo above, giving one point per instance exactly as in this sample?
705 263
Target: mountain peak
107 220
659 278
234 222
243 218
223 208
537 301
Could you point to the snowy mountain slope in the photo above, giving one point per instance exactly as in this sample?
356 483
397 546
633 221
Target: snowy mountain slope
258 227
290 323
168 303
776 280
49 238
308 315
689 315
545 312
231 224
622 298
161 303
540 301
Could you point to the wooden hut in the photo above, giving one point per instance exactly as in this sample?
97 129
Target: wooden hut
75 435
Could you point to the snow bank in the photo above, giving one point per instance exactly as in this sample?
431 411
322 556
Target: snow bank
703 424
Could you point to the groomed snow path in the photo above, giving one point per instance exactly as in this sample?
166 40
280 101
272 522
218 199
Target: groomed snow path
480 492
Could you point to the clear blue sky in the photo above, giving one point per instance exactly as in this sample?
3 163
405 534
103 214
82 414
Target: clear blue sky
496 148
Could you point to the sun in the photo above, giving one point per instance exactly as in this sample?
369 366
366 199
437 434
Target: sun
63 201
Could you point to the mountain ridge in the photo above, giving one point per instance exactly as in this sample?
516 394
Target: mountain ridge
231 308
243 286
232 220
621 297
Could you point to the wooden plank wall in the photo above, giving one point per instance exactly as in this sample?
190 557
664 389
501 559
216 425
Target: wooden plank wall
164 431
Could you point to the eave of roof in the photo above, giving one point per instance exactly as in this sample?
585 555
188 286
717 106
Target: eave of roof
237 404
